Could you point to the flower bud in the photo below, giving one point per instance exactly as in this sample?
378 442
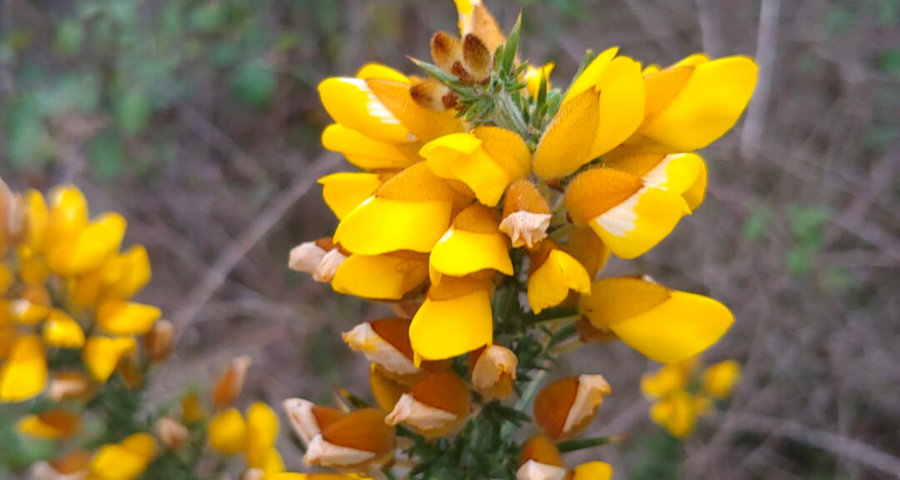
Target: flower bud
307 256
433 95
357 440
70 467
129 369
12 216
540 460
51 424
385 343
526 214
192 409
477 59
588 333
158 341
436 406
230 382
446 50
308 419
494 371
564 408
171 433
69 386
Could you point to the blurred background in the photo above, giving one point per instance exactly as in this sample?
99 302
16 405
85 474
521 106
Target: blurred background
199 121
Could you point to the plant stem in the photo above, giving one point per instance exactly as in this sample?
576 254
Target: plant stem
509 115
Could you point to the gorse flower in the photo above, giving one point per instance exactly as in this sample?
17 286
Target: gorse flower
483 186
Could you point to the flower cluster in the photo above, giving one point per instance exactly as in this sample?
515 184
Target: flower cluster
487 204
76 349
681 394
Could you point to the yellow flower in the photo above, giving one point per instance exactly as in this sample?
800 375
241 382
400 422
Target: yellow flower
262 430
592 471
454 319
533 77
586 247
476 19
603 107
411 211
89 248
681 173
553 273
388 276
378 104
61 331
101 355
125 460
719 379
227 432
487 159
24 374
628 215
665 325
471 244
126 318
677 413
668 379
693 103
345 191
368 153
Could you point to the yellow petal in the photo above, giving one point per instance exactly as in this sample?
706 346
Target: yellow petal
591 74
129 273
38 219
694 60
126 318
486 160
719 379
345 191
567 142
664 382
677 172
447 328
24 375
586 247
227 432
550 283
707 106
102 354
62 331
68 214
621 106
424 124
91 248
387 391
677 413
534 75
593 471
388 276
124 461
665 325
614 300
365 152
51 424
695 194
27 312
6 279
262 430
351 103
460 253
633 227
376 70
411 211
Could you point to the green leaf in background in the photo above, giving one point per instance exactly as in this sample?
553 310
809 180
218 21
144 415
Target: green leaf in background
207 18
798 260
888 12
756 223
28 141
254 84
106 155
807 221
133 110
69 37
889 61
839 20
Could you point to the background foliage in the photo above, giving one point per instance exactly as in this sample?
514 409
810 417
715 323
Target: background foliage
199 120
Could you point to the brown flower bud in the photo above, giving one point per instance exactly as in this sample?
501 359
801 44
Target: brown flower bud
540 460
12 216
192 410
564 408
437 405
446 50
588 333
493 371
69 386
433 95
321 259
355 441
171 433
50 424
526 214
129 369
308 419
231 382
73 466
158 341
477 59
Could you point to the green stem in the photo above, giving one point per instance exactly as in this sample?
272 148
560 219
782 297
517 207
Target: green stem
510 116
